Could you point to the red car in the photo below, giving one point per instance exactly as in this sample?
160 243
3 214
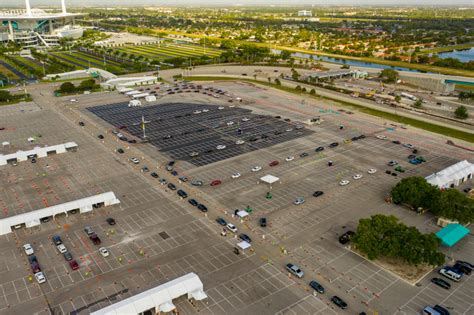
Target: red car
274 163
74 265
216 182
95 239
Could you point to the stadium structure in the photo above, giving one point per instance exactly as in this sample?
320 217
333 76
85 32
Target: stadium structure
35 27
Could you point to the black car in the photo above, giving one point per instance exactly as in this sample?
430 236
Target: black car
81 123
110 221
120 150
202 207
263 222
317 287
67 256
174 173
467 189
318 193
171 163
193 202
411 156
339 302
132 141
441 310
346 237
396 142
182 193
171 186
123 138
333 145
388 172
361 137
465 263
355 138
100 136
221 221
463 268
319 149
245 237
304 154
154 175
442 283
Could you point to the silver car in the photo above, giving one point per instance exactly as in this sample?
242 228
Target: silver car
295 270
299 201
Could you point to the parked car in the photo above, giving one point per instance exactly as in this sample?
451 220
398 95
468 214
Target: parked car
89 231
318 193
57 240
235 175
357 176
221 221
193 202
344 182
273 163
339 302
154 175
256 168
202 207
392 163
100 136
120 150
317 287
304 154
290 158
182 193
450 273
95 239
111 221
462 268
245 237
263 222
67 256
216 182
371 171
28 249
61 248
346 237
319 149
231 227
196 182
298 201
104 252
333 145
441 310
295 270
172 186
74 265
442 283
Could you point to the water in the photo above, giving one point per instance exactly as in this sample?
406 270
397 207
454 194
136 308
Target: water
354 63
465 55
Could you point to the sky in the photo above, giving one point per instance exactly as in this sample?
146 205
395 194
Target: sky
208 3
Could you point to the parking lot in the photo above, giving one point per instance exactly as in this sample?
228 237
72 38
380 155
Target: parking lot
181 129
159 236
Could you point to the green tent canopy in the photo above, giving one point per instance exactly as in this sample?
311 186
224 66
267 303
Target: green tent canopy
451 234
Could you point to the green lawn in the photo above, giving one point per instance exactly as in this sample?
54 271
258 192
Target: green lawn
454 133
29 63
447 48
163 52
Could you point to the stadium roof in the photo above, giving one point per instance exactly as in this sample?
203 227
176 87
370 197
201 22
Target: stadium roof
452 233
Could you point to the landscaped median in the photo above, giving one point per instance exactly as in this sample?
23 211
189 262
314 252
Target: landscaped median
432 127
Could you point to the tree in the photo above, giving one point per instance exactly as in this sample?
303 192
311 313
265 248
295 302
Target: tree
228 44
5 96
87 84
454 205
295 75
398 98
383 236
389 75
298 88
285 54
418 103
461 112
312 92
414 191
67 87
277 81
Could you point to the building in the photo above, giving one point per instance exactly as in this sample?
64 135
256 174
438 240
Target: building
35 27
453 175
305 13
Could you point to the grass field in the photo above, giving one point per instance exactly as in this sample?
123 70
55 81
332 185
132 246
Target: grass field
8 73
167 51
446 131
447 48
29 63
84 61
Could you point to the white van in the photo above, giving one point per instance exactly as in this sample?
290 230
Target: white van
451 274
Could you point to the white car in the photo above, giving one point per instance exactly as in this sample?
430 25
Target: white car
220 107
104 252
289 130
205 110
134 160
298 201
120 135
344 182
381 137
372 171
256 168
230 123
408 145
239 142
245 119
220 147
357 176
40 277
61 248
236 175
73 100
28 249
231 227
290 158
197 112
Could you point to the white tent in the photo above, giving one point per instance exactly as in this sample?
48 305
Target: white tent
244 245
158 299
269 179
242 214
5 143
33 218
453 175
39 152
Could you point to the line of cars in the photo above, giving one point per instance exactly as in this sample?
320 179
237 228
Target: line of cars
34 264
297 272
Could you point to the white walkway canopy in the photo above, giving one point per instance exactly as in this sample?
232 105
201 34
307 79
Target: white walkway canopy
159 299
269 179
39 152
33 218
453 175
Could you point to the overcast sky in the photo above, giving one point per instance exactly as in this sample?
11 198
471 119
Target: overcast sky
237 2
